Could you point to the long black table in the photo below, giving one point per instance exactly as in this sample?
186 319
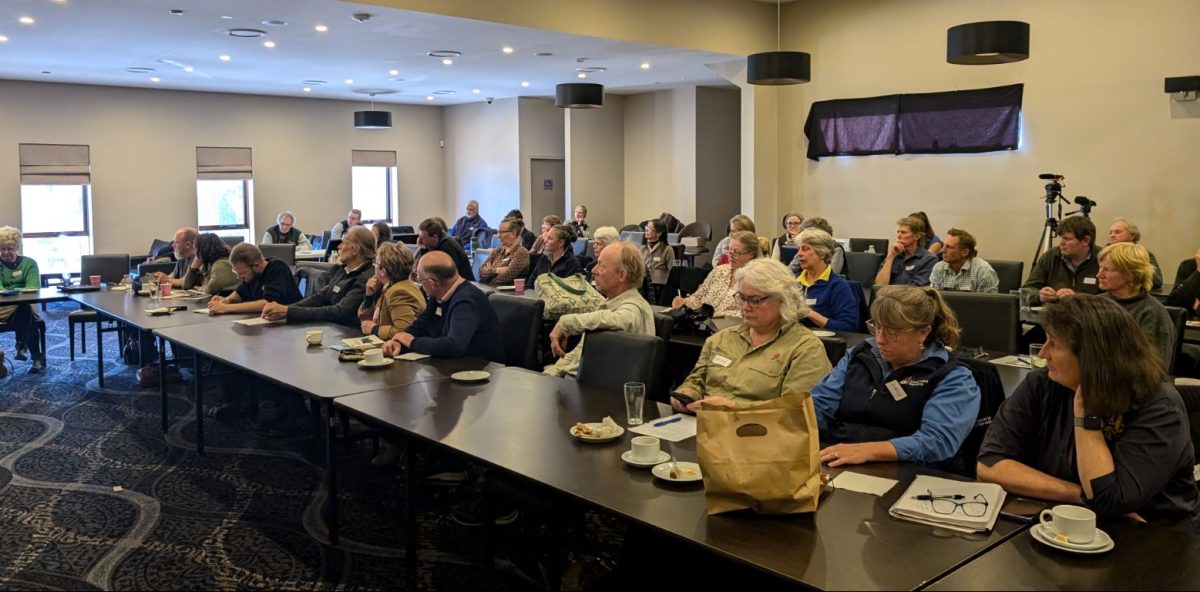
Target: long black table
519 420
52 294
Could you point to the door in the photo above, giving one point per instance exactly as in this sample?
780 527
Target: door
547 177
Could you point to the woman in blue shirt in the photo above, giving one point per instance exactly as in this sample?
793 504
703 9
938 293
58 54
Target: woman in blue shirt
899 396
830 298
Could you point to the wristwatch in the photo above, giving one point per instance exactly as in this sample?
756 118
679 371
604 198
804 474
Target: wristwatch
1089 423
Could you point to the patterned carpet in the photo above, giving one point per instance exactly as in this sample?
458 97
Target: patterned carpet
94 496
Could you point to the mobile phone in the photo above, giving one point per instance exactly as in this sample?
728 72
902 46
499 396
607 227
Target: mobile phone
683 399
1022 509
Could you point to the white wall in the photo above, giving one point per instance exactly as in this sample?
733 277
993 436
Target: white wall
143 146
1094 110
481 159
718 157
596 162
542 135
660 154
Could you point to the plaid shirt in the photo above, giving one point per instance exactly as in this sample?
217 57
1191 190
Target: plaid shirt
976 275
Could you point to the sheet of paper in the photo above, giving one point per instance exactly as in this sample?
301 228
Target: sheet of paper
200 310
411 356
851 481
1014 361
256 321
676 428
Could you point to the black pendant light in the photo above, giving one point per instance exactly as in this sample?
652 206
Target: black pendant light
372 119
778 67
988 42
579 95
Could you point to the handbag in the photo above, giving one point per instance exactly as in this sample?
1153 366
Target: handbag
567 295
762 457
687 321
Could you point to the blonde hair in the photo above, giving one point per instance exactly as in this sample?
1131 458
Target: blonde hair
362 239
396 260
1132 261
10 234
741 222
819 240
631 262
911 307
916 226
775 280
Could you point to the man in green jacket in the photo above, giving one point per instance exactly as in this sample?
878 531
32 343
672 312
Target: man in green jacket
20 272
1068 268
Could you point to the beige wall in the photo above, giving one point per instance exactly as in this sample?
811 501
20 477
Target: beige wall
660 154
718 156
144 162
1094 110
481 159
542 129
596 161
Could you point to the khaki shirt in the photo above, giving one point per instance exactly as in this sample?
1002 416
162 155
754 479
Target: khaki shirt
792 362
627 312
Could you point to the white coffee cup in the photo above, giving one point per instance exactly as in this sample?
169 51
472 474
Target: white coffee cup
314 336
1076 523
644 448
373 357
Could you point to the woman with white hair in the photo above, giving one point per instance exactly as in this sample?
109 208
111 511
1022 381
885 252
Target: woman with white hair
604 236
829 297
285 231
766 356
18 272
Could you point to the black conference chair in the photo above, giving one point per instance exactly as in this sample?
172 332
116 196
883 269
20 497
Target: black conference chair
677 252
990 321
632 228
835 349
864 311
326 235
1009 273
232 241
331 248
863 245
157 249
147 269
520 328
311 276
285 252
1179 317
862 267
681 281
787 253
612 358
663 326
581 246
697 229
405 237
111 269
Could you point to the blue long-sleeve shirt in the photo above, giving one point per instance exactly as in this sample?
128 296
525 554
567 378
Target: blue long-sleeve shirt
834 299
913 271
949 413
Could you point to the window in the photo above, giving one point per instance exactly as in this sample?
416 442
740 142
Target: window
373 184
56 205
224 191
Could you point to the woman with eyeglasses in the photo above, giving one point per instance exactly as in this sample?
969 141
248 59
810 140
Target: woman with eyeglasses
658 255
830 298
510 260
718 290
1100 426
791 229
392 300
899 396
766 356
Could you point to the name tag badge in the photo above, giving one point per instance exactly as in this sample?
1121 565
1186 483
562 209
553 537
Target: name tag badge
657 259
810 301
721 361
17 273
438 311
909 267
1090 281
896 390
337 289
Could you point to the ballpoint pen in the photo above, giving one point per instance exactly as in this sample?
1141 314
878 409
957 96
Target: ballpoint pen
667 421
926 498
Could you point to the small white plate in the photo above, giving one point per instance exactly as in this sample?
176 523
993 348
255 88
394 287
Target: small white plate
662 457
28 290
506 288
688 472
592 440
1101 544
471 376
1038 308
823 333
382 363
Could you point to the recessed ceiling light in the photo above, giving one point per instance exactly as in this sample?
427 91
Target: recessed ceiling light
321 28
444 53
543 54
45 71
26 20
447 62
275 23
224 57
155 79
525 84
226 17
246 33
645 65
507 49
592 69
581 75
475 91
443 92
139 70
3 39
393 72
188 69
395 79
177 12
429 98
269 44
307 89
349 81
313 82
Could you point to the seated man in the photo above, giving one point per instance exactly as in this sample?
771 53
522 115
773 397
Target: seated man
1123 230
1068 268
907 262
618 275
339 230
262 281
20 272
465 227
284 232
432 236
339 300
961 268
458 321
184 245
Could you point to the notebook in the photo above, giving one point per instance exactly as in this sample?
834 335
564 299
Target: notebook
964 506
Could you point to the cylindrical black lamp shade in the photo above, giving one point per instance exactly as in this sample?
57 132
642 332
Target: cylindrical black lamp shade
989 42
372 119
779 67
579 95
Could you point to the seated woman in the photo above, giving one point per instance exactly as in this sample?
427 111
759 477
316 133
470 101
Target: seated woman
656 253
579 224
211 271
718 290
557 256
539 245
1099 426
830 298
1126 276
738 223
932 242
899 396
601 237
393 301
766 356
837 262
18 272
382 232
285 231
510 260
791 228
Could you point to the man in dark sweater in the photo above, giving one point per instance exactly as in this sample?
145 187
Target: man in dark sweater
1068 268
339 300
263 281
458 321
432 236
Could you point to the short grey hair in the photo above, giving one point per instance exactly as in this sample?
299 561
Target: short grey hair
10 235
819 240
607 235
773 278
285 214
1133 229
473 204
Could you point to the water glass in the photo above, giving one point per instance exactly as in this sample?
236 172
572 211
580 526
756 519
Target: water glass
1035 355
1022 297
635 397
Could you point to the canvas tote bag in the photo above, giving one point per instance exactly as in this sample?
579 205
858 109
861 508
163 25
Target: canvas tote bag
567 295
763 457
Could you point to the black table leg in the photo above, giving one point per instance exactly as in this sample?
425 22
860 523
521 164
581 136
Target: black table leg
198 390
99 349
410 516
331 515
162 379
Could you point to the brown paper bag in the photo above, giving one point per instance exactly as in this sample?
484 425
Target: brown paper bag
763 457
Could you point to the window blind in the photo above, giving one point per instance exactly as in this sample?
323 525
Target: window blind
223 163
55 164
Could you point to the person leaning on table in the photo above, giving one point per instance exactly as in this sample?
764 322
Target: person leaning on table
899 396
1100 426
392 300
262 281
284 231
766 356
210 271
1069 268
183 246
339 300
20 272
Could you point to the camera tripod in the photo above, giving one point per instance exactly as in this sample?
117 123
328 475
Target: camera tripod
1054 198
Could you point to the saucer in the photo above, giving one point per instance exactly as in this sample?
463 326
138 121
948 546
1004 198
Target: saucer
688 472
662 457
1101 544
471 376
824 333
594 440
382 363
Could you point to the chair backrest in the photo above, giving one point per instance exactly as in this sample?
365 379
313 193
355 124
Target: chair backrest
677 251
991 393
863 245
325 236
698 229
862 267
634 236
1179 317
612 358
990 321
311 276
835 349
631 228
285 252
485 236
408 238
580 246
110 268
145 269
232 241
403 229
1009 273
672 238
1191 403
663 326
860 301
331 248
787 253
681 280
520 328
155 247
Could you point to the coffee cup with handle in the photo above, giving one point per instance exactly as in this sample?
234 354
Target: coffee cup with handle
373 357
1076 524
314 336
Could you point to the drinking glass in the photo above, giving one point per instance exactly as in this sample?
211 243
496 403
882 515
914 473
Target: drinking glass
1035 355
635 397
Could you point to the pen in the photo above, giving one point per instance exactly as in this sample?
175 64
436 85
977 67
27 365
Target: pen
927 498
665 422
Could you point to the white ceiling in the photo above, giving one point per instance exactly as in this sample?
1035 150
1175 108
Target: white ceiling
96 41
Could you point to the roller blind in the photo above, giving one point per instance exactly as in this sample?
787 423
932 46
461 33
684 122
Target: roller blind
381 158
223 163
55 164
